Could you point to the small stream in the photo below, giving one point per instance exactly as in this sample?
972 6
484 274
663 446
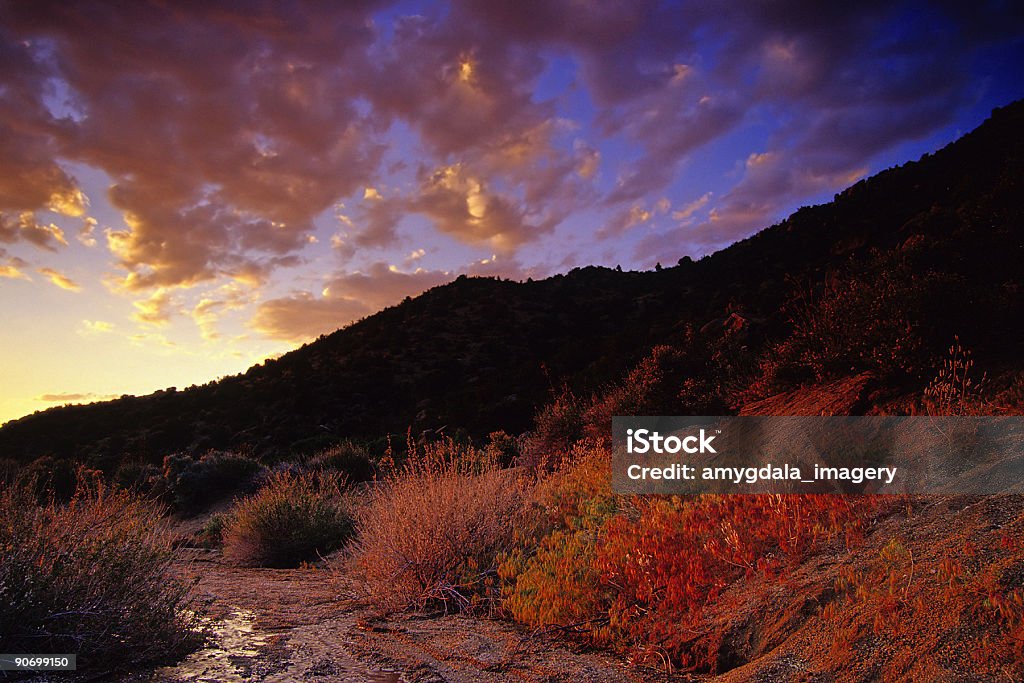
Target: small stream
238 651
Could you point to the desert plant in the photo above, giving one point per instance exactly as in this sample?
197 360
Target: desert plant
557 426
294 517
138 476
552 579
953 391
503 449
50 478
431 533
346 457
680 553
192 484
874 315
92 576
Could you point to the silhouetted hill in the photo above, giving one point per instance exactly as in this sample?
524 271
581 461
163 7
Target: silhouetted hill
482 354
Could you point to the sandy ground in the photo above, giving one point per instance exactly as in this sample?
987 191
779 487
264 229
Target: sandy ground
306 625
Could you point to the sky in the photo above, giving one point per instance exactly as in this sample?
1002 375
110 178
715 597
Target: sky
190 188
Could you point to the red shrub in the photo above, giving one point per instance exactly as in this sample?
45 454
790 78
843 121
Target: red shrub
680 553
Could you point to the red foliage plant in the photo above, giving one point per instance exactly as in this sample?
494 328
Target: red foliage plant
679 554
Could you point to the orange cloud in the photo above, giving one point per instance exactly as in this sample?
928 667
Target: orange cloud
75 397
345 298
156 310
26 227
60 279
12 267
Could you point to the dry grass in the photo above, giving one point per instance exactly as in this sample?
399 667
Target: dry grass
293 518
92 577
431 533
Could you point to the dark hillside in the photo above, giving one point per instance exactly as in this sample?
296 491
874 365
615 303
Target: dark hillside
483 354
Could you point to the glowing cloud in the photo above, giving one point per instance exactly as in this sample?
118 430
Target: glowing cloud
60 279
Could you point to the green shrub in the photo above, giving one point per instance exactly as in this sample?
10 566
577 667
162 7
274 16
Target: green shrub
90 577
552 579
192 484
212 533
346 457
293 518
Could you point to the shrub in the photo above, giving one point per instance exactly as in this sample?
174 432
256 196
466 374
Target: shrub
668 381
502 449
554 579
557 426
138 476
293 518
346 457
431 533
878 315
193 484
9 469
679 553
50 477
212 533
91 577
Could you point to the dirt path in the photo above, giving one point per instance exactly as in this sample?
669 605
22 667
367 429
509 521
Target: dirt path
303 624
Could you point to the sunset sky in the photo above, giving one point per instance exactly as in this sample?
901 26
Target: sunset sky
189 188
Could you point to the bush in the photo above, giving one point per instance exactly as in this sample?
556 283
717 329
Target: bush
346 457
502 449
91 577
431 533
192 484
50 477
554 579
668 381
954 391
679 553
138 476
883 315
557 426
294 517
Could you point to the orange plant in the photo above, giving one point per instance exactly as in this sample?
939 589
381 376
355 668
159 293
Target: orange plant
679 554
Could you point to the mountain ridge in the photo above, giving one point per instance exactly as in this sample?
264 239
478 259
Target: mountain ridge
483 353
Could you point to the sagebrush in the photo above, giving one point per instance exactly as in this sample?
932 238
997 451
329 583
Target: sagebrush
431 533
92 576
295 517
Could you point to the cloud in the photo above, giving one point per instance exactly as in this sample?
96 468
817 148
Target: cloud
87 231
227 129
302 316
12 272
461 204
75 398
687 212
345 298
60 279
769 180
157 309
25 227
12 267
214 305
95 327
